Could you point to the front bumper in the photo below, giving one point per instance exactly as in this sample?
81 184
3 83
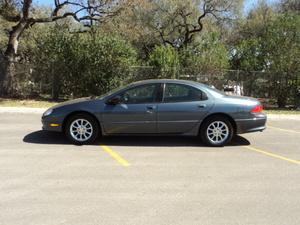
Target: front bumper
51 124
257 123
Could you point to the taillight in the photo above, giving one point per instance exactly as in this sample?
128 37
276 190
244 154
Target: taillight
257 109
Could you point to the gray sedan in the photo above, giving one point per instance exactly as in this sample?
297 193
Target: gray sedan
158 107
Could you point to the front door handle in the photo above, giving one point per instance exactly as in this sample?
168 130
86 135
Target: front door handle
150 108
202 106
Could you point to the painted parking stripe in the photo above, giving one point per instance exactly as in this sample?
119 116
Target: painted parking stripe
115 155
286 130
272 154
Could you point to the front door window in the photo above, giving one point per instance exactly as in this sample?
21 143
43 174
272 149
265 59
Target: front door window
140 95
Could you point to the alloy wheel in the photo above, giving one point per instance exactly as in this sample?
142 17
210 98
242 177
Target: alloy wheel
81 130
217 132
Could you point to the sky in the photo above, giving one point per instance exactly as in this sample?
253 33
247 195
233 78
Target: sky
249 4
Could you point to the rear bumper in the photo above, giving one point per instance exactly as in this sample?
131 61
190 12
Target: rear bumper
255 124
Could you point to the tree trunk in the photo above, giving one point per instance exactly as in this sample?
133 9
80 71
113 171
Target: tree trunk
9 85
55 86
8 82
281 101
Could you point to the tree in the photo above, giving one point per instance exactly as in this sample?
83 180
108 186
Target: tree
166 60
177 22
82 64
290 6
132 23
244 42
283 49
248 47
21 13
207 57
268 43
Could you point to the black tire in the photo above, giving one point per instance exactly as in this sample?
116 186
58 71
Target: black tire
94 131
208 123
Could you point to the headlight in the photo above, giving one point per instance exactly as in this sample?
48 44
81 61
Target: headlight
48 112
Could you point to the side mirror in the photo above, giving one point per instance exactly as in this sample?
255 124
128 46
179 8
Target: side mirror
114 101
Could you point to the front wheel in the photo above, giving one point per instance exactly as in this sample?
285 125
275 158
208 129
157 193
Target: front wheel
81 129
217 131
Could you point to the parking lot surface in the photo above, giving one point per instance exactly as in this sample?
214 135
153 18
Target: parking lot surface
148 180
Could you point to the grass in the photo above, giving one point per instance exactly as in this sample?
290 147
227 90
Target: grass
26 103
282 111
46 104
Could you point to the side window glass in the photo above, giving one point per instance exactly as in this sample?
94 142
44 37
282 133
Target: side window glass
182 93
140 94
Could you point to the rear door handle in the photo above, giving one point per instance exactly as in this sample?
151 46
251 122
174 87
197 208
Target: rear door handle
202 106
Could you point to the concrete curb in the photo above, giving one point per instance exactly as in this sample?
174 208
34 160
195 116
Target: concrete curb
28 110
283 117
22 110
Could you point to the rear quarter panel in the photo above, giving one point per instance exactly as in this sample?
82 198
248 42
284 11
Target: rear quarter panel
236 107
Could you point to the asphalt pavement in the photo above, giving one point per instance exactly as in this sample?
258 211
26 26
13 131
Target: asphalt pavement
148 180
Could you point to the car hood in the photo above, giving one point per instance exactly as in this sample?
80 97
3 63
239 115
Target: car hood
74 101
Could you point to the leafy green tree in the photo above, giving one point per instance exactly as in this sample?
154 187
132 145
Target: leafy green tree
132 24
269 43
283 47
290 6
83 64
166 60
247 46
208 56
22 15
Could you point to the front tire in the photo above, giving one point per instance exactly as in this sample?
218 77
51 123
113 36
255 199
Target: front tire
82 129
216 131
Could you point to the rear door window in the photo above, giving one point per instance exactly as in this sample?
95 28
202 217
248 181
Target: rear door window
182 93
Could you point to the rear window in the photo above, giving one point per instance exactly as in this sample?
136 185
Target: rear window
182 93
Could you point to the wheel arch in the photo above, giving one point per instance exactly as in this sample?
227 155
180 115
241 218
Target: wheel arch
231 120
80 112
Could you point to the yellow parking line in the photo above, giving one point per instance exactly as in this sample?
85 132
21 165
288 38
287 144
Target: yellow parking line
286 130
272 155
116 156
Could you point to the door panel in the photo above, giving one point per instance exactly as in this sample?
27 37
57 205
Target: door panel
180 117
183 107
129 119
136 113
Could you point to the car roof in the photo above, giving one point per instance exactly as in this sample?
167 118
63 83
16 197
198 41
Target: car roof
195 84
174 81
188 82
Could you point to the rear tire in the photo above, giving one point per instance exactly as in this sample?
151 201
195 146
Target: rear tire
216 131
81 129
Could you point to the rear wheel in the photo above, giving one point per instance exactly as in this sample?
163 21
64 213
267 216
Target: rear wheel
216 131
81 129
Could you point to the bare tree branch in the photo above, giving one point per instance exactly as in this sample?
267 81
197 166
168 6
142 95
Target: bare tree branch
178 23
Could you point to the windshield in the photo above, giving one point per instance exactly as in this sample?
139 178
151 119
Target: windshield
111 92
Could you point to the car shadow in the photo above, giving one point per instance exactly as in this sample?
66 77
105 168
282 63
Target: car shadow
47 137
